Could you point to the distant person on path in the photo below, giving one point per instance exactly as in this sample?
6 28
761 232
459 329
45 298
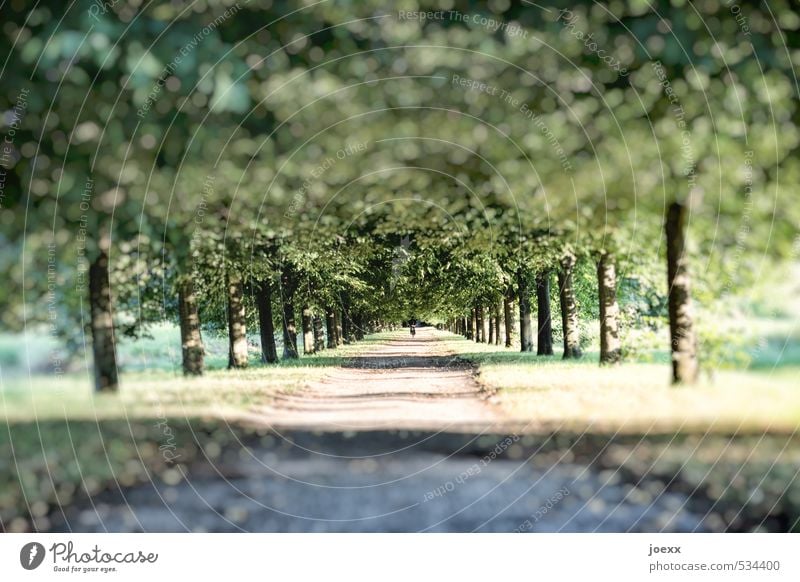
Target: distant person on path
413 329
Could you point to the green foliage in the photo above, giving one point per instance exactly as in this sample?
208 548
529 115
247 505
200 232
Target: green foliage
203 142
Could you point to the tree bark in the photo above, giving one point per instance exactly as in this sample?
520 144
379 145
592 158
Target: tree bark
525 331
237 324
288 286
358 326
477 319
685 366
308 330
319 335
481 323
610 351
569 309
269 352
496 324
491 329
544 343
330 327
338 320
289 331
347 327
508 318
191 340
102 326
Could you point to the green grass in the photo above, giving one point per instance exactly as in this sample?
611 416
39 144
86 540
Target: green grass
545 393
59 440
165 390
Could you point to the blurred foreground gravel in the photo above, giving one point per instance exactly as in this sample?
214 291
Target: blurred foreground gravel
406 482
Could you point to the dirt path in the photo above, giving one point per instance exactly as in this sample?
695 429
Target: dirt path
400 439
402 383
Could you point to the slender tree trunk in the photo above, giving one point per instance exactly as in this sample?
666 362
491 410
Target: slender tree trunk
464 327
496 324
269 352
477 320
289 324
102 326
508 318
330 327
610 351
481 324
544 343
347 328
191 341
237 323
288 319
569 309
358 326
685 367
491 329
525 331
308 331
338 320
319 334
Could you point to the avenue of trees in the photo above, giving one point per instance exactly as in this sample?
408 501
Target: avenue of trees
321 172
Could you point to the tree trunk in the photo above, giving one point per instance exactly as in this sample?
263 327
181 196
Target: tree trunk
525 331
544 343
470 321
481 324
237 324
569 309
289 329
491 329
609 310
308 331
508 318
347 328
358 326
477 320
496 324
319 335
685 367
330 327
338 320
102 326
269 353
191 340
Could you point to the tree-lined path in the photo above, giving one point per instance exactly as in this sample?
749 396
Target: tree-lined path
402 382
214 222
